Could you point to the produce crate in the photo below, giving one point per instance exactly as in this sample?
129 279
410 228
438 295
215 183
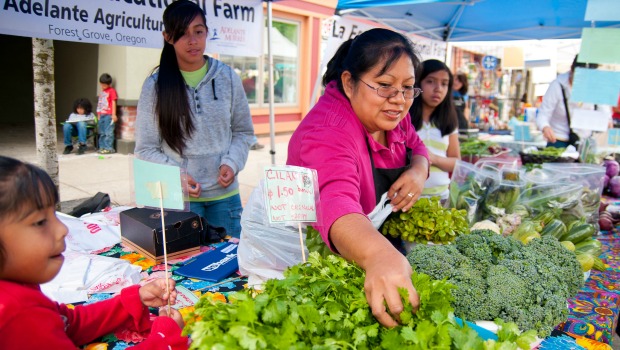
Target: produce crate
529 158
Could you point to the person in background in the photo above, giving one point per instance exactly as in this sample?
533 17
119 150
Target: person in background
461 99
106 110
32 241
552 118
76 125
193 113
360 140
435 119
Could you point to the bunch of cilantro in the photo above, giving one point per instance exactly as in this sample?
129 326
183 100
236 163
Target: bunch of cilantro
499 277
321 305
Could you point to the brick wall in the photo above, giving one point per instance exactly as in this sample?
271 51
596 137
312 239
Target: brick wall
126 129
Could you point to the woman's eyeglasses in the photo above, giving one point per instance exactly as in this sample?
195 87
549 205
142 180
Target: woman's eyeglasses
389 91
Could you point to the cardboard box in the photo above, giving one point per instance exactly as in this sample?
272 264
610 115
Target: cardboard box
141 230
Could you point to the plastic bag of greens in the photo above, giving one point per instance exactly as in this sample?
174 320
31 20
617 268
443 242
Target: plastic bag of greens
553 201
468 187
590 176
503 195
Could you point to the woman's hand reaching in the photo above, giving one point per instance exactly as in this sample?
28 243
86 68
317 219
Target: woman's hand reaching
385 273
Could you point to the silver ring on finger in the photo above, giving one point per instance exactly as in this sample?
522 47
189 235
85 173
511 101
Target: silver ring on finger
410 195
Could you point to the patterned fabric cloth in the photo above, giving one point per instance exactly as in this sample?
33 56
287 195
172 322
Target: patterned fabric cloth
123 339
593 313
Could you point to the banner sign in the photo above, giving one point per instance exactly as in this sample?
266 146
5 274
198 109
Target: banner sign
235 26
338 30
291 194
428 48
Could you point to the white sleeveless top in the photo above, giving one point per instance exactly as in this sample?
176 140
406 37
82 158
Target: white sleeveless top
438 180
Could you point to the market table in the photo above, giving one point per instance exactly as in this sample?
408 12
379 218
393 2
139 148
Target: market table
124 339
593 313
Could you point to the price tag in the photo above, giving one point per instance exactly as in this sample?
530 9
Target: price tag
291 194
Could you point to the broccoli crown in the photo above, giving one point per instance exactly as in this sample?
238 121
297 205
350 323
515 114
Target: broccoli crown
437 261
469 296
505 289
499 277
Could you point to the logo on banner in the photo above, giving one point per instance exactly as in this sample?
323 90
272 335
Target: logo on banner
214 37
489 62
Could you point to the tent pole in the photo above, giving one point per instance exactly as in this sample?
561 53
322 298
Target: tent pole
272 128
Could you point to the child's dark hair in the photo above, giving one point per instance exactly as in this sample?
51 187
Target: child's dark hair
85 104
444 116
462 77
172 109
359 55
23 188
105 78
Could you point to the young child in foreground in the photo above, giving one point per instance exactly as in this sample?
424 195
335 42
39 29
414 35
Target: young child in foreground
32 241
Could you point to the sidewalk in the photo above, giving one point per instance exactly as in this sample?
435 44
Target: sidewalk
82 176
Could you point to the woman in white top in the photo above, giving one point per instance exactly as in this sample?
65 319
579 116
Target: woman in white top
434 117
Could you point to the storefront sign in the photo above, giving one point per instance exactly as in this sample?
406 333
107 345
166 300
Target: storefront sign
291 194
235 26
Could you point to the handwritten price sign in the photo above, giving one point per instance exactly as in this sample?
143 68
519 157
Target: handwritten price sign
290 194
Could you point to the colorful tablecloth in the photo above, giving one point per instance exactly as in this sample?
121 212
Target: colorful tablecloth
123 339
594 310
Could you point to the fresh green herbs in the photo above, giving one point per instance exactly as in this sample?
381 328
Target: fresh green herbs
322 305
426 221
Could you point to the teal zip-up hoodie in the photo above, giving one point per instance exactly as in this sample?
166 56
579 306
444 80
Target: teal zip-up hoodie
223 129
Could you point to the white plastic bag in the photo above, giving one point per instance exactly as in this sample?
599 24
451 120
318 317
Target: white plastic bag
83 274
381 212
266 250
89 235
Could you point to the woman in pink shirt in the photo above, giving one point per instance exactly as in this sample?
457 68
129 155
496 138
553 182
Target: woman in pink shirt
360 139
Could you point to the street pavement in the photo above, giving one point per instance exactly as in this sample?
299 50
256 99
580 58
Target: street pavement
82 176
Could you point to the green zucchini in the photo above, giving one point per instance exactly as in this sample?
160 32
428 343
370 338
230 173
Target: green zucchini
590 246
546 216
555 228
579 233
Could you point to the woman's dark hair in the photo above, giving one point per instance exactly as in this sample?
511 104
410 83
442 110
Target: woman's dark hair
462 77
23 188
172 107
359 55
444 116
84 103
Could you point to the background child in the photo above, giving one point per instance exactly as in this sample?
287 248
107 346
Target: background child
76 125
434 118
106 110
32 241
461 100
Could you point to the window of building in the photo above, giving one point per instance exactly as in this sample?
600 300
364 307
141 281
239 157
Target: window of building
254 70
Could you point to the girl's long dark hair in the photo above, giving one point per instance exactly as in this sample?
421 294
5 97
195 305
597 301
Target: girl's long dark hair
172 106
23 188
444 116
361 54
